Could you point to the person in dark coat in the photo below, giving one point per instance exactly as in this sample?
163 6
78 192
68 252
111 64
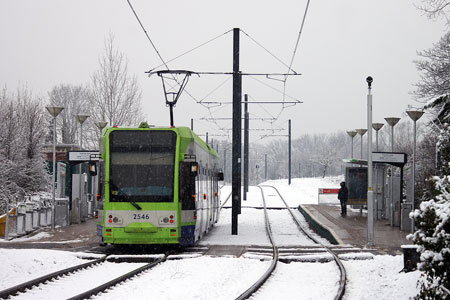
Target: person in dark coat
343 197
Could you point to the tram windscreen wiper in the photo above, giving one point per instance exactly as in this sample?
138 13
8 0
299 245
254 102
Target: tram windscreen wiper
135 204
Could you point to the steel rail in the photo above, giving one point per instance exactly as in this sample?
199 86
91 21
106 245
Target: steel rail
273 265
343 274
29 284
111 283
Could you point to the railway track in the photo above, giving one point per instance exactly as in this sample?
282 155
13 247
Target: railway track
275 249
40 288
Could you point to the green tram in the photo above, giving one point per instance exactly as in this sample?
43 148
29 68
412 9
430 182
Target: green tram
157 186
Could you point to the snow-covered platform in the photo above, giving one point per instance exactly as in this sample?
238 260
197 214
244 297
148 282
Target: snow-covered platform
352 229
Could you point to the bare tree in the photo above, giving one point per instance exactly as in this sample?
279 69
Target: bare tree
116 96
22 168
435 9
434 71
76 100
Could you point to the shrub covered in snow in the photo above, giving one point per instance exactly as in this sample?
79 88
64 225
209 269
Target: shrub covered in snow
433 230
433 238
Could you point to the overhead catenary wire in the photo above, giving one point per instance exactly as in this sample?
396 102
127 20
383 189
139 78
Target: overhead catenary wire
148 36
273 55
296 43
299 35
267 75
193 49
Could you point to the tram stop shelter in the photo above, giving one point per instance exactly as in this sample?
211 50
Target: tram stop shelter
388 178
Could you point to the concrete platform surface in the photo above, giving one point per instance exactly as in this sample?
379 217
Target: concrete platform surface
352 229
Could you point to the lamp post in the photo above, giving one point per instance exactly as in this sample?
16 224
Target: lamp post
392 121
414 115
377 127
361 132
81 119
352 134
101 125
54 111
370 232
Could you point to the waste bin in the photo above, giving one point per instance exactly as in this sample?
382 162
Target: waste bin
410 257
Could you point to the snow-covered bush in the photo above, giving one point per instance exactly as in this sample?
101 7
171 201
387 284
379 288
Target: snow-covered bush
433 229
433 238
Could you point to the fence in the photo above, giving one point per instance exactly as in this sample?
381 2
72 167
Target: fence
29 216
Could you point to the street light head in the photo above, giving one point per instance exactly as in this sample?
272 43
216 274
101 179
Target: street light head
82 118
377 126
361 132
101 125
392 121
369 81
415 114
352 133
54 110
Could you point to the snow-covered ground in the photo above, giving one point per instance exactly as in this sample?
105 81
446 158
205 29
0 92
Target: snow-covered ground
226 277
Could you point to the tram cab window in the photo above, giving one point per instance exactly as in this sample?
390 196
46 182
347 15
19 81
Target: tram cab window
142 165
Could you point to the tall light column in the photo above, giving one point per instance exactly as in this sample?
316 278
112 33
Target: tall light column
361 132
81 119
377 127
352 134
414 115
370 232
54 111
392 121
100 126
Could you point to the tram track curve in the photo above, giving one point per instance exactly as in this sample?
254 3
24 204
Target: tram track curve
250 291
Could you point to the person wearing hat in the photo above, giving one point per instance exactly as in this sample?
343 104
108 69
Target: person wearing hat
343 197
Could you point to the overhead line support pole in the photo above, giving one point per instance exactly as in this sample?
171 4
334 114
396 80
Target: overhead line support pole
289 167
246 145
236 155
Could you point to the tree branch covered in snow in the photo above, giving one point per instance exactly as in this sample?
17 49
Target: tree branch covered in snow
434 71
435 9
22 167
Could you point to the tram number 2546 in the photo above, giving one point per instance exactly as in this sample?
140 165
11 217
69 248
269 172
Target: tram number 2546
141 217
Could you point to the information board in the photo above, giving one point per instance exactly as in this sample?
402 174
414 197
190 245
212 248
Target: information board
83 156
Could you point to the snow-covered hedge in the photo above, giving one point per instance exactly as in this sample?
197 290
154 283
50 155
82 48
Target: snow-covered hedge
433 238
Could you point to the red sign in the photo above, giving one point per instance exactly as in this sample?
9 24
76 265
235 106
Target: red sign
328 191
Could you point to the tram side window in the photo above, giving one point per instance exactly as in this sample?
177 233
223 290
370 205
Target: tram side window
187 185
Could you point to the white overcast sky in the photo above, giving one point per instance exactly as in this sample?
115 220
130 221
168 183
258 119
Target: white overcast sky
50 42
